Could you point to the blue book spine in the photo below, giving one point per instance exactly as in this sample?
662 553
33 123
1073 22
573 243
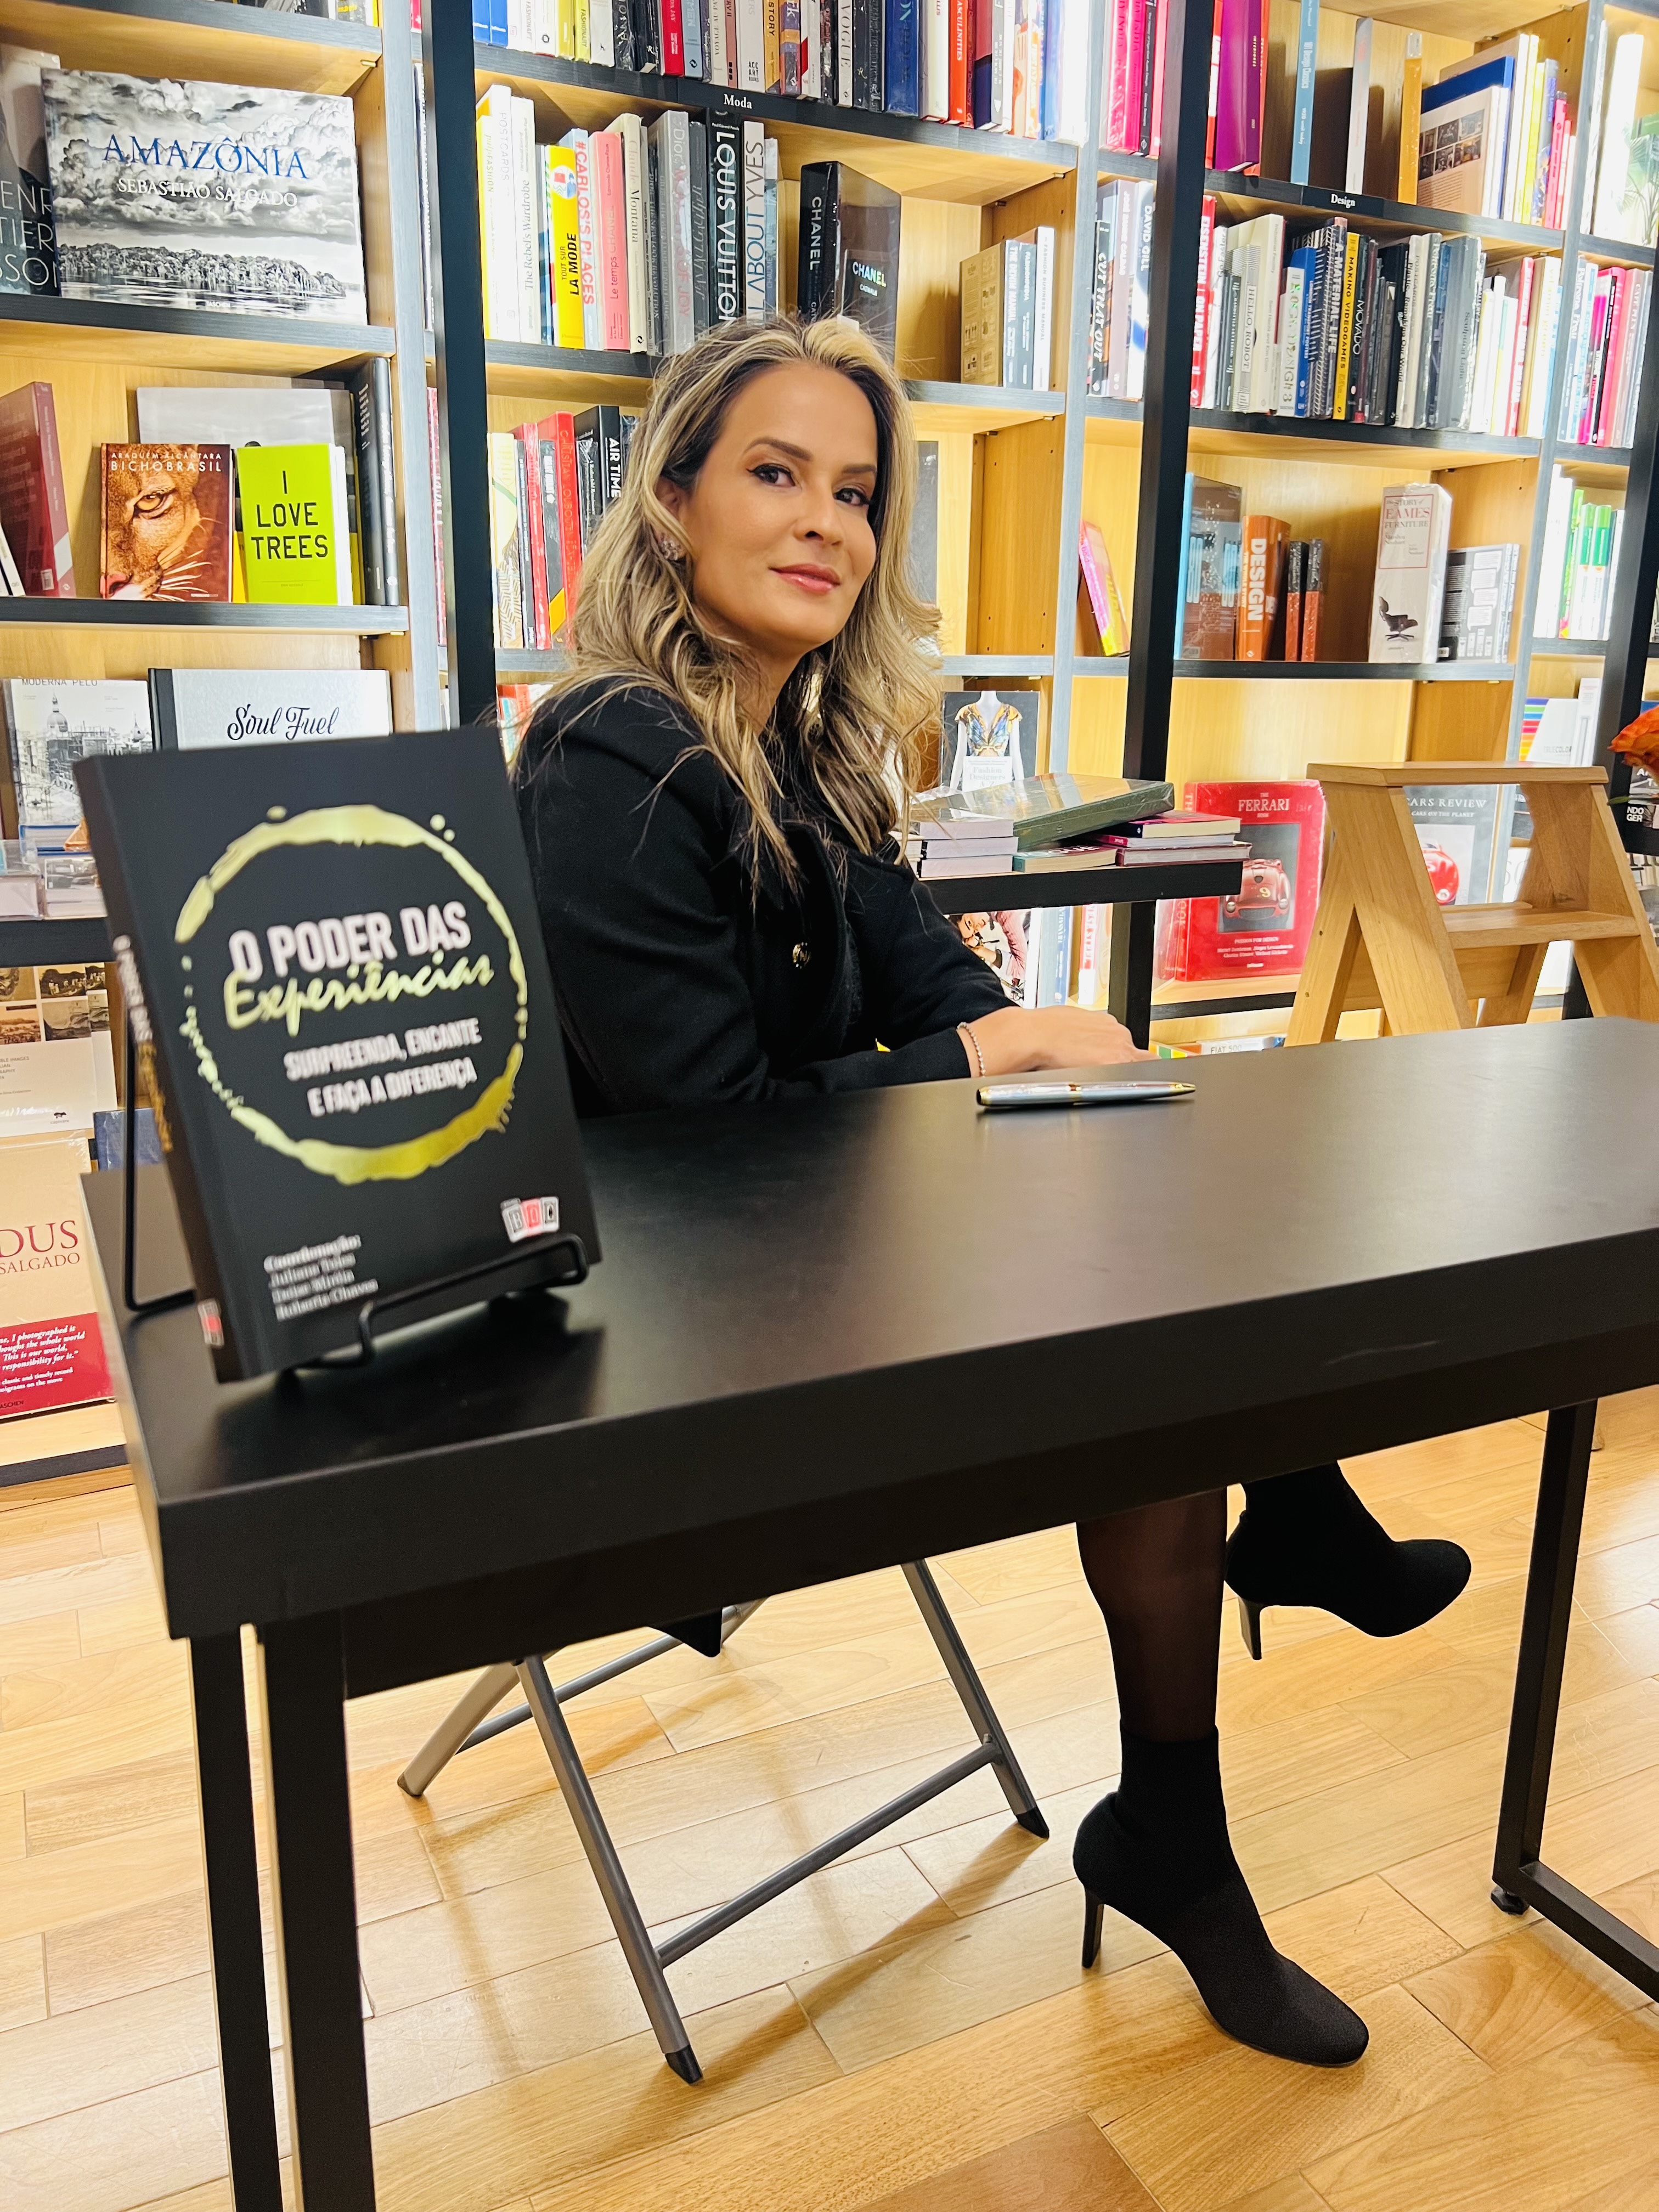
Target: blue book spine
1307 261
1307 55
498 22
481 22
1045 36
902 72
1469 81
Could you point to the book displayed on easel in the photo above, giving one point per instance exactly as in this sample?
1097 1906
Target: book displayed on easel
332 962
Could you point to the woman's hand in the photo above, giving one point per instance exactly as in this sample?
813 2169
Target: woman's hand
1016 1039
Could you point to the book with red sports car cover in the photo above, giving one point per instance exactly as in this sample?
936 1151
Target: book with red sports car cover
1264 928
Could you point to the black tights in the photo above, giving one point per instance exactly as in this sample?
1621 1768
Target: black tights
1155 1574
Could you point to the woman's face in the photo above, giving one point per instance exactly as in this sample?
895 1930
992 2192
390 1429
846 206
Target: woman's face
778 521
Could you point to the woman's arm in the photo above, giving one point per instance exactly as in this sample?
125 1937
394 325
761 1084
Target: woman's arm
625 846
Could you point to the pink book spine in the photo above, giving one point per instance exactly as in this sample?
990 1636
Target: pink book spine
1157 80
1134 76
1598 367
1117 121
673 39
606 147
588 245
1201 319
1557 168
1618 349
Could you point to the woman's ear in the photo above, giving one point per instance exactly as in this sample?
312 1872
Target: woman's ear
673 496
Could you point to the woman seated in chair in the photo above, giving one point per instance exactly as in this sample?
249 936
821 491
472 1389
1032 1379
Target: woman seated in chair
709 798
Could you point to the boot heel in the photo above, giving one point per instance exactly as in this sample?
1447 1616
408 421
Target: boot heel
1093 1913
1250 1625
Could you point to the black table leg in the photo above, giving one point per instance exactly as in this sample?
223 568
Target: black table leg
1519 1875
309 1818
226 1796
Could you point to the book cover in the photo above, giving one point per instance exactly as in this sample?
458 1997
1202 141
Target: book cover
1307 52
1411 120
1456 825
52 1351
173 193
33 512
193 707
165 522
1214 535
849 251
988 739
753 220
725 224
1359 105
50 726
505 522
564 247
1265 538
1004 941
334 967
1410 572
29 238
1460 146
290 524
924 524
1048 810
1264 928
1296 571
1110 624
1313 598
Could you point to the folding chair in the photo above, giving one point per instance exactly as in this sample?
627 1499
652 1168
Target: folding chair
472 1723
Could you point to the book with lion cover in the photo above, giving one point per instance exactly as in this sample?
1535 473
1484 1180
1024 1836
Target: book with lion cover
168 530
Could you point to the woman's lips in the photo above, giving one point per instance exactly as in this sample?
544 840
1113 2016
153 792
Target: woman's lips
818 582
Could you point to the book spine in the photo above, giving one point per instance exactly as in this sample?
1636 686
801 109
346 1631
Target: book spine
1345 327
772 33
1043 339
900 86
751 45
538 630
581 149
564 247
607 145
639 293
1313 598
719 60
368 457
847 71
770 181
680 334
697 157
725 196
1360 105
1307 53
60 583
1411 120
526 228
1295 572
753 220
1201 317
960 105
673 38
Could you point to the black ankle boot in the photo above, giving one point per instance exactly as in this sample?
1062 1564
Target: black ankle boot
1307 1540
1156 1851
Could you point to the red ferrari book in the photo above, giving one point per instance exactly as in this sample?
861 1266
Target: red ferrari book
1265 926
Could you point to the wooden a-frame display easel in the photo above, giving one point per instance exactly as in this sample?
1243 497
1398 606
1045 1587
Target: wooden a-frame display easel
1380 940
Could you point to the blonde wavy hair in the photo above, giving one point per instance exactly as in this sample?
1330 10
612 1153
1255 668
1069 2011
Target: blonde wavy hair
854 709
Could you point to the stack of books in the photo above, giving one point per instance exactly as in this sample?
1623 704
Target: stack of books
1249 590
1479 607
1495 135
960 845
1132 76
635 239
1578 563
1177 838
1121 290
974 63
551 485
1328 323
1606 344
1007 296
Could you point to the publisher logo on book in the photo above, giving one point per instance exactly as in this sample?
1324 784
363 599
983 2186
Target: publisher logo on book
529 1216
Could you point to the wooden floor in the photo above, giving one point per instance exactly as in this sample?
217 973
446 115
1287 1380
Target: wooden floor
910 2030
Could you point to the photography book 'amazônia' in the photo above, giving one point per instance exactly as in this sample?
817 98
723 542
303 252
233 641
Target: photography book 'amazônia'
333 965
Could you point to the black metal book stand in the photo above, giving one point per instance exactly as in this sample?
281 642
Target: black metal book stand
372 1310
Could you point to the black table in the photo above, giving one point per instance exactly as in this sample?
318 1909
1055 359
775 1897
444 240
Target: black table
839 1335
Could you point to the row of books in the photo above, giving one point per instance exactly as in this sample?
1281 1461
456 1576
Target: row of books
1120 288
980 63
1132 76
1578 563
280 232
1250 591
1330 324
551 483
52 724
1606 344
1007 303
1494 135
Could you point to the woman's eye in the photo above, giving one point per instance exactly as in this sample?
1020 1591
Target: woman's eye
855 492
773 472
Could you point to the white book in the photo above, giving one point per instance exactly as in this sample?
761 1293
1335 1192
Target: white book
526 220
518 25
718 59
345 592
935 59
1552 560
1073 116
1502 107
1546 322
1213 330
499 204
197 708
1360 101
629 129
679 329
1290 339
843 53
751 45
1485 343
1043 341
1595 82
1617 119
753 220
812 72
1507 392
1528 87
601 36
1412 535
1126 247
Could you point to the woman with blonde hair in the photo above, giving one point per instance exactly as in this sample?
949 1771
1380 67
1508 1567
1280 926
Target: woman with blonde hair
709 798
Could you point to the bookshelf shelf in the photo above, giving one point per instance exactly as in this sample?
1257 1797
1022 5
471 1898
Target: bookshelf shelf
1214 432
186 338
1174 879
209 38
1347 671
1616 251
1569 648
1241 196
566 377
1111 666
1194 1002
198 614
970 665
935 160
79 937
948 410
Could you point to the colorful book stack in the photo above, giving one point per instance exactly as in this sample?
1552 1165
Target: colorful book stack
1132 76
976 63
1121 290
1330 324
634 239
961 847
1495 136
1263 928
551 483
1178 838
1249 590
1007 296
1577 566
1606 344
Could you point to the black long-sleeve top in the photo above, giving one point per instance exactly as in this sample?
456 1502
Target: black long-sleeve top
684 972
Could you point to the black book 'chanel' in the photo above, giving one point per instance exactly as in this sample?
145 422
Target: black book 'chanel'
334 970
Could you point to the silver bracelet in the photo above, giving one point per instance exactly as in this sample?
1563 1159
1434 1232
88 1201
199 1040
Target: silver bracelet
966 1030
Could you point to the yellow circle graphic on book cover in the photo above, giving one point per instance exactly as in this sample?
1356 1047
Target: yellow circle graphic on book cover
355 825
